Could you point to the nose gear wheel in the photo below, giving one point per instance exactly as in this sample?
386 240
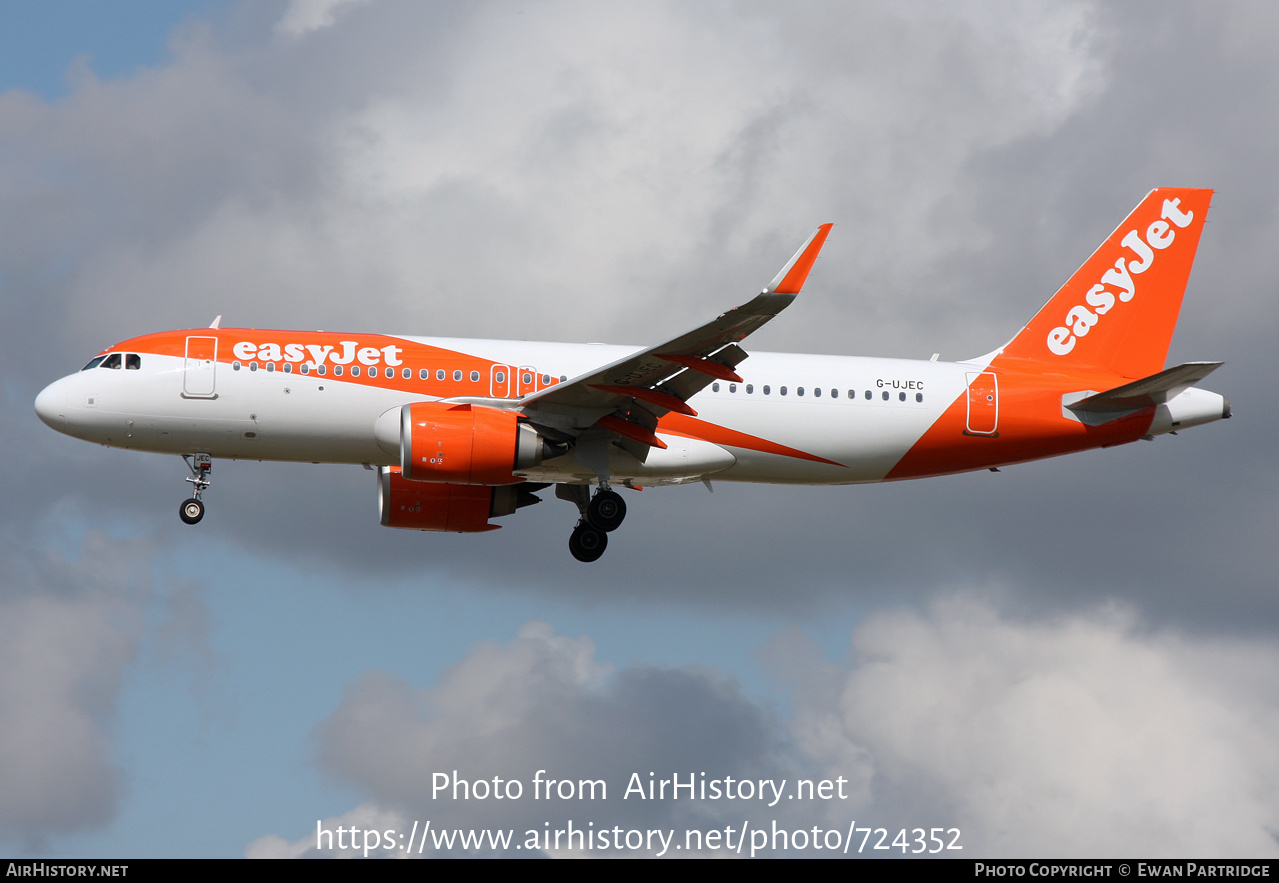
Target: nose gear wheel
192 509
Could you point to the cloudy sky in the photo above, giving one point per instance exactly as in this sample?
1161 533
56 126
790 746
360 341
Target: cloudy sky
1073 657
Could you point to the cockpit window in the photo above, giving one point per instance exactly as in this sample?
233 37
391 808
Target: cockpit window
132 362
95 363
112 361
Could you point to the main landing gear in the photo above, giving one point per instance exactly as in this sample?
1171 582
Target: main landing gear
587 542
192 509
600 515
606 510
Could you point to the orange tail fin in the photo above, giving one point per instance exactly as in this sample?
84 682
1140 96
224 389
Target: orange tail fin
1119 310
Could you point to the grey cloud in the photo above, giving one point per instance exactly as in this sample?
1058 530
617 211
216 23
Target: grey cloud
543 702
68 633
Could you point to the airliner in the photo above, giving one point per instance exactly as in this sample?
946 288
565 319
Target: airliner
460 432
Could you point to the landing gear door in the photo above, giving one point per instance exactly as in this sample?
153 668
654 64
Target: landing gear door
983 405
199 378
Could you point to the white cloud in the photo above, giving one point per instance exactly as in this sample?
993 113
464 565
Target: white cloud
326 842
530 158
1078 736
305 16
1075 736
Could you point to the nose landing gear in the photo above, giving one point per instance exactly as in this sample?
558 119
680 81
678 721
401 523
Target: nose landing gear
192 509
600 515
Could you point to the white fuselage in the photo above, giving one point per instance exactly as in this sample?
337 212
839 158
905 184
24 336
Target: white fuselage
861 414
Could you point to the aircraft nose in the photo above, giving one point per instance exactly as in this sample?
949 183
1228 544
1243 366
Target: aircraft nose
51 405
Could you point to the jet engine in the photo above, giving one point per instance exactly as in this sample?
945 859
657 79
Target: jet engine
463 444
457 508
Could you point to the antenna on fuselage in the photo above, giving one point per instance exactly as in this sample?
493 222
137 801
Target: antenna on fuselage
216 322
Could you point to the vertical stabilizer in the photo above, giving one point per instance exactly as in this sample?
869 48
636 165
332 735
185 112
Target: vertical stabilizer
1118 311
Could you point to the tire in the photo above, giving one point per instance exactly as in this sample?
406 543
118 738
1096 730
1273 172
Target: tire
587 543
606 511
191 511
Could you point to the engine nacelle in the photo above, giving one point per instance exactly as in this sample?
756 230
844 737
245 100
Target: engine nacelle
458 508
465 444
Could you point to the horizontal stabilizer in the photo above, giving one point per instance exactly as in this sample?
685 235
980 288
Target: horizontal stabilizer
1149 391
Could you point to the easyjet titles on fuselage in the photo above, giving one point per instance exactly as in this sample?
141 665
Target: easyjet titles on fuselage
296 352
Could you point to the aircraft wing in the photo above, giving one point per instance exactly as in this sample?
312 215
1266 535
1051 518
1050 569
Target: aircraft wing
629 395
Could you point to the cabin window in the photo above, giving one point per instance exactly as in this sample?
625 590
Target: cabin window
457 375
817 391
253 366
288 368
714 387
270 367
546 380
750 388
439 374
783 390
834 393
868 395
800 391
766 389
235 366
390 373
527 379
919 396
885 395
852 393
901 396
355 370
500 377
475 376
337 370
424 374
321 370
732 387
305 369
